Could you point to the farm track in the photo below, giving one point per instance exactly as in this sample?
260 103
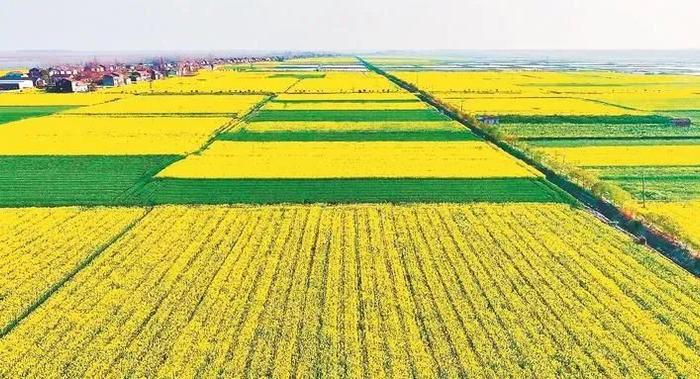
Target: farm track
666 246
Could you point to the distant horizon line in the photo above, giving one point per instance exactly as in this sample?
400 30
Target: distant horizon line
339 51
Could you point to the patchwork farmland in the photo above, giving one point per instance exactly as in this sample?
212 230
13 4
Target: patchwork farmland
312 217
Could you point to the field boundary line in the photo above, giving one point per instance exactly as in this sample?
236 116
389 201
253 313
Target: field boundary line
46 295
611 214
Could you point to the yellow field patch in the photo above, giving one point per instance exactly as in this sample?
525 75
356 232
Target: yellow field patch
78 135
348 160
176 104
42 245
684 213
50 99
666 155
366 291
372 96
536 106
350 126
212 82
665 99
345 82
538 83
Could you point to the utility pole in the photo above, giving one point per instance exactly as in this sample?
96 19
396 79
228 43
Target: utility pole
644 191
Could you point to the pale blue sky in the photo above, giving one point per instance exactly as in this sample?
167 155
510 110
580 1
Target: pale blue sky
349 24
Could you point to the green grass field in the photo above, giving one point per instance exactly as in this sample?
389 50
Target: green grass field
655 183
349 115
75 180
264 191
612 131
579 142
14 113
556 119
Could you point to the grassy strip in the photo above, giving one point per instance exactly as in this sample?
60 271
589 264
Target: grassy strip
43 297
654 183
350 115
75 180
552 131
413 135
146 114
615 141
268 191
14 113
556 119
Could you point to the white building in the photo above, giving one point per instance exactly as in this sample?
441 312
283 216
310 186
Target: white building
15 84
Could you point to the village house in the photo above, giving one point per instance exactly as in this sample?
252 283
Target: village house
15 84
155 74
92 67
66 85
139 76
113 79
15 81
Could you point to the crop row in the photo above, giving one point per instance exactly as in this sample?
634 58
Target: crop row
366 291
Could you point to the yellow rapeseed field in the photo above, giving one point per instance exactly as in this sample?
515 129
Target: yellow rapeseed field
50 99
372 96
218 81
176 104
345 82
350 126
92 135
663 155
537 83
662 99
448 159
42 245
685 213
527 290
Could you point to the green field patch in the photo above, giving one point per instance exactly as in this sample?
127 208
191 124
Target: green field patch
579 142
305 136
271 191
349 115
75 180
14 113
665 183
556 119
535 131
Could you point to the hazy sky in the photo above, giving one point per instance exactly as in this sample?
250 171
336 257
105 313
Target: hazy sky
349 24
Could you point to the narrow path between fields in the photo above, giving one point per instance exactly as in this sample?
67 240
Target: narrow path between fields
6 329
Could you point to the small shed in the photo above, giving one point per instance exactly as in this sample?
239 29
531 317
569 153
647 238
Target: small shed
489 120
681 122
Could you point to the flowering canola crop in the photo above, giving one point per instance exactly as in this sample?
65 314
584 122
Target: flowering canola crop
88 135
446 159
366 291
175 105
664 155
42 245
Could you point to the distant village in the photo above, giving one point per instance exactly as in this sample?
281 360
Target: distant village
91 76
